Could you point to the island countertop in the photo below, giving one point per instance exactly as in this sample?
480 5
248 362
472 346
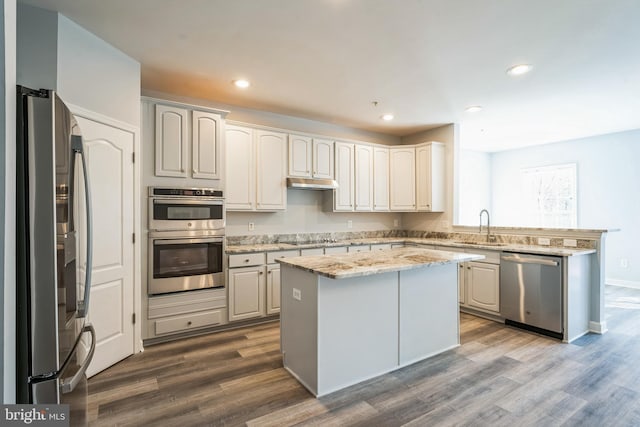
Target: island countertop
342 266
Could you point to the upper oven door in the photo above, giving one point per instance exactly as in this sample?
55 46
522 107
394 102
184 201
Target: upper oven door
173 214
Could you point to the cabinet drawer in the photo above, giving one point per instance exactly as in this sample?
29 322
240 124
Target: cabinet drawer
492 257
198 302
310 252
246 260
272 256
335 250
381 247
188 322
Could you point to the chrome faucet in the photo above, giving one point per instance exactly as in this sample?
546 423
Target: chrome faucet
489 239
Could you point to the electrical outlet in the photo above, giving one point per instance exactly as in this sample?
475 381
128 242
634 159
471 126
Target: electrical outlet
396 223
570 243
624 263
252 226
297 294
544 241
349 224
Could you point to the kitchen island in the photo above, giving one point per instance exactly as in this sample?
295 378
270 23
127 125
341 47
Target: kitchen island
350 317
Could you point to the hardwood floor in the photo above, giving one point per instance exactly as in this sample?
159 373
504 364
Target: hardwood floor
499 376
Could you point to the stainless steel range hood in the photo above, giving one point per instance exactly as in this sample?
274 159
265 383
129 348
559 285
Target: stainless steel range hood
312 183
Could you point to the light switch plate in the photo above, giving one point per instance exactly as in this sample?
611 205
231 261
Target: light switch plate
570 243
297 294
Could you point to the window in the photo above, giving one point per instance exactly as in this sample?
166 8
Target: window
549 195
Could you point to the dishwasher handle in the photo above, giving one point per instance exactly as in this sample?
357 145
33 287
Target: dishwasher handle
520 260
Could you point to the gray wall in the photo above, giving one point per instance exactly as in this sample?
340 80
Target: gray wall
608 176
56 53
474 191
7 194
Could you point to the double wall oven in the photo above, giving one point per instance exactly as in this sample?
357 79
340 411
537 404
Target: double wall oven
186 239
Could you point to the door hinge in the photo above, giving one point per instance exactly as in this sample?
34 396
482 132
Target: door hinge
133 318
133 237
133 157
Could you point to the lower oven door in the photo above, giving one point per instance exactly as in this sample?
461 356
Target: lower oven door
177 264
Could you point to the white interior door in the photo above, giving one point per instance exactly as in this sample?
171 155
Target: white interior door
110 166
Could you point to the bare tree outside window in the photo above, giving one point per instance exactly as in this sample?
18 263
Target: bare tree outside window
549 194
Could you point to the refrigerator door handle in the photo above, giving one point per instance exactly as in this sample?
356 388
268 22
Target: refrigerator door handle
77 147
67 385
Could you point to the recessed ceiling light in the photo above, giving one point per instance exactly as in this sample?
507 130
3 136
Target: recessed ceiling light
241 83
519 69
473 108
387 117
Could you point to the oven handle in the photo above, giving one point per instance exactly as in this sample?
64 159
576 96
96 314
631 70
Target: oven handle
185 241
216 202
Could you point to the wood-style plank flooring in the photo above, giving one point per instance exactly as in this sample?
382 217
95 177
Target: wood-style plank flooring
499 376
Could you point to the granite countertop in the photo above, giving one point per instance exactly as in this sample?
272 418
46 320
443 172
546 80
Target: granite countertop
342 266
505 247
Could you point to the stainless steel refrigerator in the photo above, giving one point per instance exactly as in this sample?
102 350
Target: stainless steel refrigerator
53 250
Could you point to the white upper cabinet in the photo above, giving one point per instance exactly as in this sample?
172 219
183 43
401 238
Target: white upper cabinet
364 178
256 165
173 125
402 178
343 197
171 141
271 169
430 177
380 179
300 154
310 157
240 168
322 158
205 156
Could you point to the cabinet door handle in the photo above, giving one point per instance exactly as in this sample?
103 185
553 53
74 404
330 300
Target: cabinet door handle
189 323
261 272
269 272
468 268
246 260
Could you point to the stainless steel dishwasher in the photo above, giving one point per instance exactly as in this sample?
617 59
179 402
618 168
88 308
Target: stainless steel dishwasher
531 292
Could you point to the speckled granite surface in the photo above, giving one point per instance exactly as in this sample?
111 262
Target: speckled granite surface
454 240
343 266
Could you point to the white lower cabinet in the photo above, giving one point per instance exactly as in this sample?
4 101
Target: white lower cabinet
273 288
479 281
254 284
246 292
483 286
186 311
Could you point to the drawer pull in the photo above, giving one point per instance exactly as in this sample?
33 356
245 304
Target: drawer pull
261 272
246 260
189 323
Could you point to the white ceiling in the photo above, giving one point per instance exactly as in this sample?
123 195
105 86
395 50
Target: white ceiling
422 60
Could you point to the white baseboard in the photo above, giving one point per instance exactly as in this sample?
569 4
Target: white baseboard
598 327
624 283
